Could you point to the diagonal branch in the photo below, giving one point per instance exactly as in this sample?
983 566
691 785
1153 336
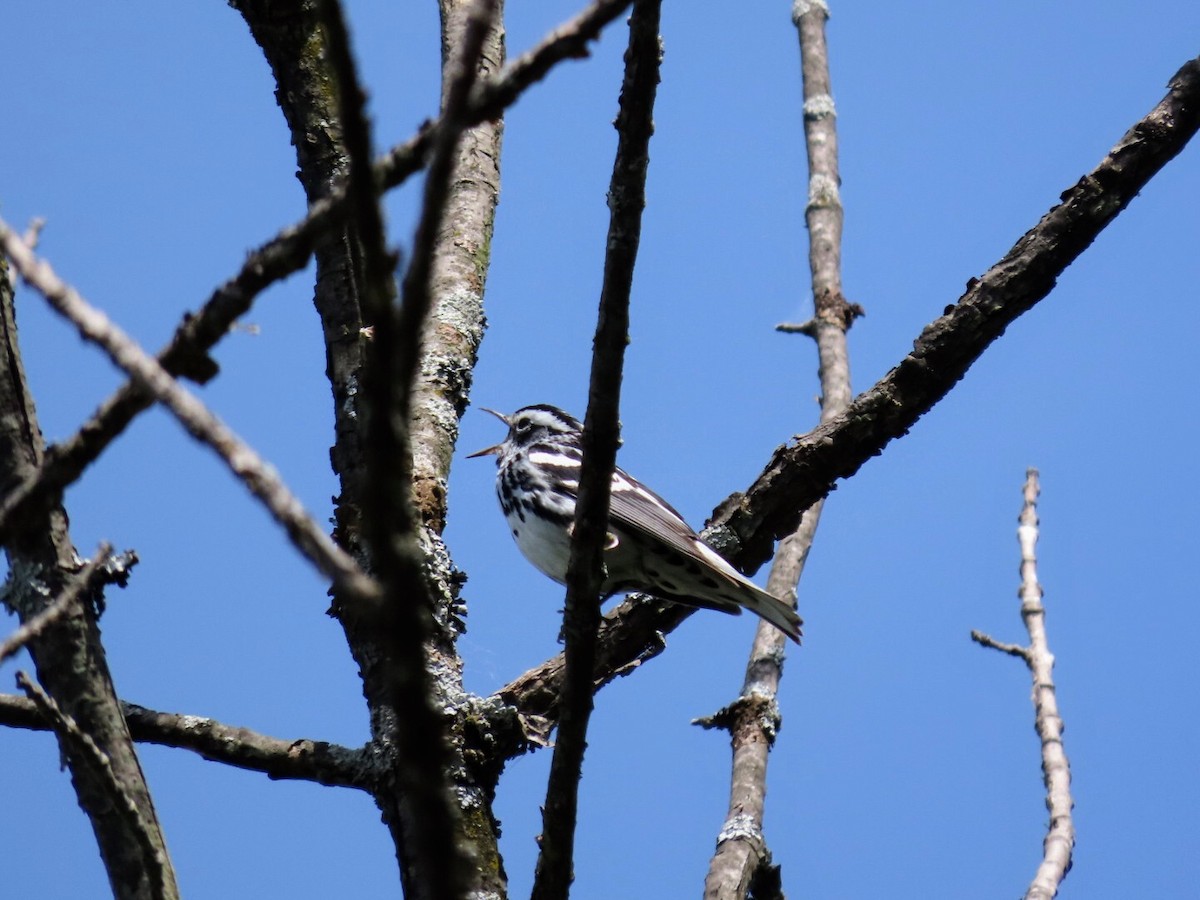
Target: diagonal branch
745 526
798 475
601 436
261 480
297 760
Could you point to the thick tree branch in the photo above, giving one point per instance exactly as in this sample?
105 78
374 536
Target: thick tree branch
745 526
69 655
297 760
459 268
449 349
601 437
433 862
1056 770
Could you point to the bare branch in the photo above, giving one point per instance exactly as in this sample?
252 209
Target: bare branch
261 480
1056 769
601 437
295 760
745 526
76 741
69 654
455 324
753 719
433 863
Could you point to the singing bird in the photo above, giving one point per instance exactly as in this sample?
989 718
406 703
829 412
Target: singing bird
649 547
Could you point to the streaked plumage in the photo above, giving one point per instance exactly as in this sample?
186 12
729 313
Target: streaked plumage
650 547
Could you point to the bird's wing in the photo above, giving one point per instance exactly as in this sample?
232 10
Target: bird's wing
634 507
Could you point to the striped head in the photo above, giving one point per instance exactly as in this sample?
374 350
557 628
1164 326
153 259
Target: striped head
534 425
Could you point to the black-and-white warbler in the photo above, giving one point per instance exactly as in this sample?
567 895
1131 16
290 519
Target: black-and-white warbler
650 547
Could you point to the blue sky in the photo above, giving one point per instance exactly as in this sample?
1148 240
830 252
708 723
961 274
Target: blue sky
148 137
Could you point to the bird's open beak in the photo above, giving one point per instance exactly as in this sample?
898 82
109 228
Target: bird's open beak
495 448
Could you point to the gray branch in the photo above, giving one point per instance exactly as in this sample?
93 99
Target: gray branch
742 856
1056 770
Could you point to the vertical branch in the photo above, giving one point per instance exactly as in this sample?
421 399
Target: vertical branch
457 276
1056 770
459 251
581 618
68 653
293 41
753 719
432 858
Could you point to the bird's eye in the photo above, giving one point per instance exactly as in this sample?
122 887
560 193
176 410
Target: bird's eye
523 424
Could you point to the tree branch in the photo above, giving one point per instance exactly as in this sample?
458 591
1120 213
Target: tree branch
744 526
90 577
449 350
1056 769
753 719
77 742
259 478
297 760
433 862
600 439
68 653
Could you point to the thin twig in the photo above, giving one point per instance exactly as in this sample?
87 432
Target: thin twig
601 437
283 255
76 742
1056 770
260 478
745 525
84 582
986 640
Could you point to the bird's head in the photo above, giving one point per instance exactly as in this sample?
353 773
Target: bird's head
530 424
